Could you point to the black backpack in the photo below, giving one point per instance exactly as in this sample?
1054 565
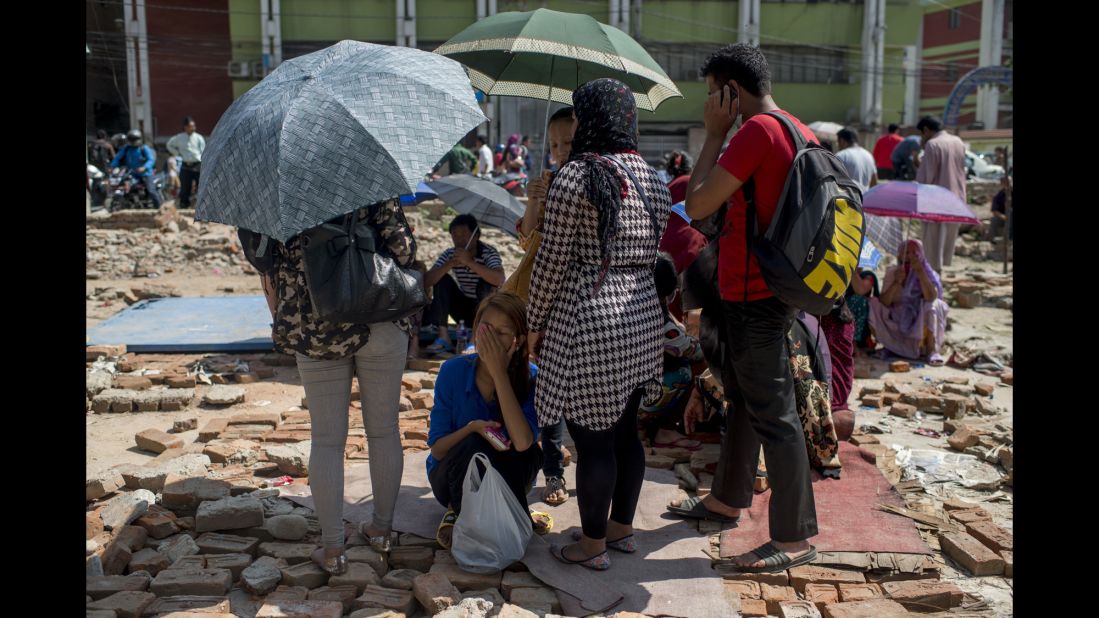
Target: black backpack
811 249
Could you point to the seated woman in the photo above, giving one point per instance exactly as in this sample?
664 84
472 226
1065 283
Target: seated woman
484 403
909 318
863 287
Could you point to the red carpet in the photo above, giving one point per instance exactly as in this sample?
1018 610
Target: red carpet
847 515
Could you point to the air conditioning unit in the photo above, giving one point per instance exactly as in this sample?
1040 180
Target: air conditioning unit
240 69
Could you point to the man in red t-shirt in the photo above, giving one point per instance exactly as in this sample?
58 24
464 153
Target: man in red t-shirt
756 375
883 152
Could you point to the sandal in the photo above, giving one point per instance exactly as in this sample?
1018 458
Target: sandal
626 544
692 508
439 346
336 565
543 522
447 522
936 360
598 562
382 543
776 561
553 485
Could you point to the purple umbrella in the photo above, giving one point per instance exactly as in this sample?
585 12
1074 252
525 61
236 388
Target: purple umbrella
914 200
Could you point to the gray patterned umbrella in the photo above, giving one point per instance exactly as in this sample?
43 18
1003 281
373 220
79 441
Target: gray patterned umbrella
490 203
332 131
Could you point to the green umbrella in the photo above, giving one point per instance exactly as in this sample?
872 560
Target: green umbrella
546 54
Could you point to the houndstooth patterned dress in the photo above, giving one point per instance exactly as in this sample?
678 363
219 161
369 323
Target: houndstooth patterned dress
596 351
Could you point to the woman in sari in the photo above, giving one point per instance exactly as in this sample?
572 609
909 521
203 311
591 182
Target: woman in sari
909 318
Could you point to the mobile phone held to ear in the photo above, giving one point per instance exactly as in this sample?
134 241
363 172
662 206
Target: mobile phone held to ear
733 94
497 438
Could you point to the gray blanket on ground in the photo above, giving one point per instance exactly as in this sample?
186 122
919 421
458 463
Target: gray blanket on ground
668 576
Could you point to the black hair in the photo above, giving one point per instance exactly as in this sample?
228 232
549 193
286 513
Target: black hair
467 220
187 120
827 143
565 113
664 274
848 136
743 63
101 134
525 138
930 122
483 139
678 163
893 128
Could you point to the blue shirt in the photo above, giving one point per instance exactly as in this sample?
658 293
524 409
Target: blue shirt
133 158
904 150
458 401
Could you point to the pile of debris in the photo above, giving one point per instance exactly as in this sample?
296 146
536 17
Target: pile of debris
974 289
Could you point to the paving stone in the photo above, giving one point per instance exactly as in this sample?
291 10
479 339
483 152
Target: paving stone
745 588
178 546
773 595
821 594
201 605
103 483
172 582
924 595
158 522
530 598
859 592
387 598
344 595
416 558
292 459
103 586
360 575
149 560
464 580
292 553
753 608
126 507
183 492
812 574
229 514
306 574
234 563
263 575
289 593
773 579
221 395
872 608
397 578
971 554
214 543
435 592
992 536
128 604
300 609
798 609
365 554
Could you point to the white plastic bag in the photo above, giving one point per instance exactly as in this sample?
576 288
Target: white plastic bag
493 529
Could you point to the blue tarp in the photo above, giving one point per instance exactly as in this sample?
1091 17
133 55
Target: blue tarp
204 324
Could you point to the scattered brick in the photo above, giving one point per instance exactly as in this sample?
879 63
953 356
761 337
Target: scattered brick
172 582
859 592
821 595
157 441
128 604
753 608
773 595
212 429
464 580
812 574
924 595
386 598
899 367
797 609
422 400
229 514
313 609
1009 562
306 574
202 605
415 558
971 554
435 592
992 536
872 608
903 410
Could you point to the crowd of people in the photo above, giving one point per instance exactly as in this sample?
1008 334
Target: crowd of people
590 334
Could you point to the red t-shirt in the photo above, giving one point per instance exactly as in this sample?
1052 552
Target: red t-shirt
883 150
760 149
678 188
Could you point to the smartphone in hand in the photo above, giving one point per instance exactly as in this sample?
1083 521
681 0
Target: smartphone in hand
497 438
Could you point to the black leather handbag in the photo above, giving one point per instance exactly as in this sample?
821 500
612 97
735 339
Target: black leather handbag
352 278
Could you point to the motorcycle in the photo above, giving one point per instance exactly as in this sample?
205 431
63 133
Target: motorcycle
128 192
97 186
514 183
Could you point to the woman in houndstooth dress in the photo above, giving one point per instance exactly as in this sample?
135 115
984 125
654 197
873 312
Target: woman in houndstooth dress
600 351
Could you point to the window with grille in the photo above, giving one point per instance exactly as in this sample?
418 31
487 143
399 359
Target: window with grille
801 64
955 19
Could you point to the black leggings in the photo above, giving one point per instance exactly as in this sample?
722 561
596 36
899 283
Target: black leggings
518 469
610 467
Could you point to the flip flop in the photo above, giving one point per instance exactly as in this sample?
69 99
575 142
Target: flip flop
439 346
775 560
692 508
677 444
626 544
447 522
546 527
598 562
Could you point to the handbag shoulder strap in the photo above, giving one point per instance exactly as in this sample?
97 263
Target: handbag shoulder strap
641 192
